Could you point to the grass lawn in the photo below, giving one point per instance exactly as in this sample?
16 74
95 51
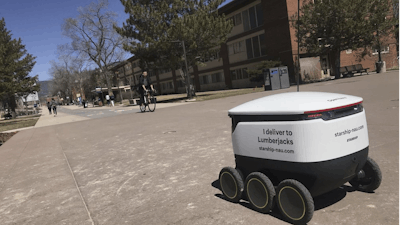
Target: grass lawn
224 94
208 95
202 96
18 123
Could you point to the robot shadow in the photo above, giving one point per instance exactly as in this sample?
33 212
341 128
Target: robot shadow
320 202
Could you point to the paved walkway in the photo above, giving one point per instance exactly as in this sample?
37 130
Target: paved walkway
62 118
162 167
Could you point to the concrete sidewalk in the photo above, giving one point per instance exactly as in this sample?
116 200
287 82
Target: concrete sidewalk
61 118
162 167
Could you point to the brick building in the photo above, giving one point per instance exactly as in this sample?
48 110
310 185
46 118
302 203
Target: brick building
262 31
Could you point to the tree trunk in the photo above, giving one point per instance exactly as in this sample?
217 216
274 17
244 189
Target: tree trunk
336 64
12 104
107 77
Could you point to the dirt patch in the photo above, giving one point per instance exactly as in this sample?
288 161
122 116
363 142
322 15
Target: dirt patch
6 136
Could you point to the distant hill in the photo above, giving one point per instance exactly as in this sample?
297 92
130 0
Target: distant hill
44 88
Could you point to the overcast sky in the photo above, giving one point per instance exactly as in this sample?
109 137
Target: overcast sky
38 24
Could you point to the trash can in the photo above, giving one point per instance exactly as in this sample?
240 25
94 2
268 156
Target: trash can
380 67
287 145
276 78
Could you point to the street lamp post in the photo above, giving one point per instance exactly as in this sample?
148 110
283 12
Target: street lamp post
298 44
120 95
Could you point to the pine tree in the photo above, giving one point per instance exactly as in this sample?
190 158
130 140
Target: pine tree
155 27
329 27
15 66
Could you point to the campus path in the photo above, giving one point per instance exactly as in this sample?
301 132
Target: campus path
162 167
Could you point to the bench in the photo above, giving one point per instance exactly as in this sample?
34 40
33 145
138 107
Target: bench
351 70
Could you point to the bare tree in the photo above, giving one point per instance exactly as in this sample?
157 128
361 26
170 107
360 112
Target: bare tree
62 80
93 37
69 73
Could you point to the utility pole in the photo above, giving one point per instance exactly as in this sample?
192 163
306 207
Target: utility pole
298 44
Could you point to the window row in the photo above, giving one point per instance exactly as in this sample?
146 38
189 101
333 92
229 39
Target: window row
251 18
211 78
239 74
181 84
167 85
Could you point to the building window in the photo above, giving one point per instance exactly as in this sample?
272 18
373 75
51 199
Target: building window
246 25
210 57
260 17
236 48
263 46
162 71
211 78
167 85
233 75
216 77
249 49
180 83
239 74
254 48
384 49
253 17
236 19
253 20
245 74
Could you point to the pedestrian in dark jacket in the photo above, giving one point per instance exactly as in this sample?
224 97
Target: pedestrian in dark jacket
49 107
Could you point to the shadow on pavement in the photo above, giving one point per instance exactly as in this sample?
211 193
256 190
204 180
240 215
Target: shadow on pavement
320 202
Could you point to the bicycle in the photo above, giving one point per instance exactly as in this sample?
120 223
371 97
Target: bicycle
149 101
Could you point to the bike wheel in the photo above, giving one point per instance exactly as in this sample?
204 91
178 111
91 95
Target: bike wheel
152 103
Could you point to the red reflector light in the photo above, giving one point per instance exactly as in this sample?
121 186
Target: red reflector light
336 108
314 115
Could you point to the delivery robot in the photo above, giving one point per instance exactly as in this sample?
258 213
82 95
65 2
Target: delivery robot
294 146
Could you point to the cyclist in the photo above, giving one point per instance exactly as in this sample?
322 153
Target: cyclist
144 85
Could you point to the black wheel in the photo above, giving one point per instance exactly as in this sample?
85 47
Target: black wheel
369 178
260 192
231 184
152 103
295 201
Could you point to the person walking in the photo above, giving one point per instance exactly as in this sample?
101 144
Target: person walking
54 105
108 99
112 100
49 107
